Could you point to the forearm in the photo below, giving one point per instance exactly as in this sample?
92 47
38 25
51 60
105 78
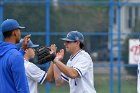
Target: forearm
70 72
57 74
50 75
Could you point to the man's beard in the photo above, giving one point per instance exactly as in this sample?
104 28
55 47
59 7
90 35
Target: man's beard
17 41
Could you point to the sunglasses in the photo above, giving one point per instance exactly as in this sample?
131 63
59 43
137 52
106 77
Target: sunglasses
70 41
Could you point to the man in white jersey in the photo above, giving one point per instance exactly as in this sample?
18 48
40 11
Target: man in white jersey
79 69
34 74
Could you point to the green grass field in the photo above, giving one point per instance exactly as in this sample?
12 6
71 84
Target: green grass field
102 85
54 89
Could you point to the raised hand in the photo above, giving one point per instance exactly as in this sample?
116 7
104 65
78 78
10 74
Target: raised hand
25 42
53 48
60 54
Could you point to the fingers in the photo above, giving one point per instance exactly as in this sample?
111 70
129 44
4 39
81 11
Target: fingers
27 38
25 42
62 52
53 48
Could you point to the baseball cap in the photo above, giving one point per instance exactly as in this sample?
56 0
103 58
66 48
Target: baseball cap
30 44
9 25
74 36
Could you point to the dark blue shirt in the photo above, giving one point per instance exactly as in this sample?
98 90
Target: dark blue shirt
12 71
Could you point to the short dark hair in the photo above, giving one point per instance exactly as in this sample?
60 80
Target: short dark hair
7 34
81 45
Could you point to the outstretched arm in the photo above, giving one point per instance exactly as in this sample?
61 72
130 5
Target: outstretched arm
70 72
50 74
57 75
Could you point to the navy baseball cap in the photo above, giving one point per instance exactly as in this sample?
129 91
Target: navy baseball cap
9 25
74 36
30 44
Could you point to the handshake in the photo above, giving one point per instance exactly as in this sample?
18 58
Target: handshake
46 54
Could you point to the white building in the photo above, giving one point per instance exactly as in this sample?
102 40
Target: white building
130 14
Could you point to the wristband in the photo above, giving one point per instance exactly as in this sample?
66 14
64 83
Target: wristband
55 60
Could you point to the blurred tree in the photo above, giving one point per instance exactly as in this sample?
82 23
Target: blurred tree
84 18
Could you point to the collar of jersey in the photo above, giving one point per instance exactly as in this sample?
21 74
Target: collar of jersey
75 55
26 60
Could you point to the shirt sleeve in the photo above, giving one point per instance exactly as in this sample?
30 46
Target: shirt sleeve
36 73
18 71
64 77
82 65
22 51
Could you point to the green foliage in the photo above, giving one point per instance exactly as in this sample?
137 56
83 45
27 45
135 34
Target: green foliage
84 0
64 18
79 17
31 16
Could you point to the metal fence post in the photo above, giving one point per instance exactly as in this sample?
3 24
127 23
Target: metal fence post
47 36
47 22
119 47
111 46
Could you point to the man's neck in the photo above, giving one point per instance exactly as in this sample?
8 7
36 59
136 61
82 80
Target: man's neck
72 54
10 39
26 57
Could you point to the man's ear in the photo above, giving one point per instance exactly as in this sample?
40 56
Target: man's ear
78 42
14 33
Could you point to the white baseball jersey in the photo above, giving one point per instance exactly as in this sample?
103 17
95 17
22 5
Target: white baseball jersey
138 78
81 62
34 75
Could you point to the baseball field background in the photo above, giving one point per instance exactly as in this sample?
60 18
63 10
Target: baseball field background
102 83
107 26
